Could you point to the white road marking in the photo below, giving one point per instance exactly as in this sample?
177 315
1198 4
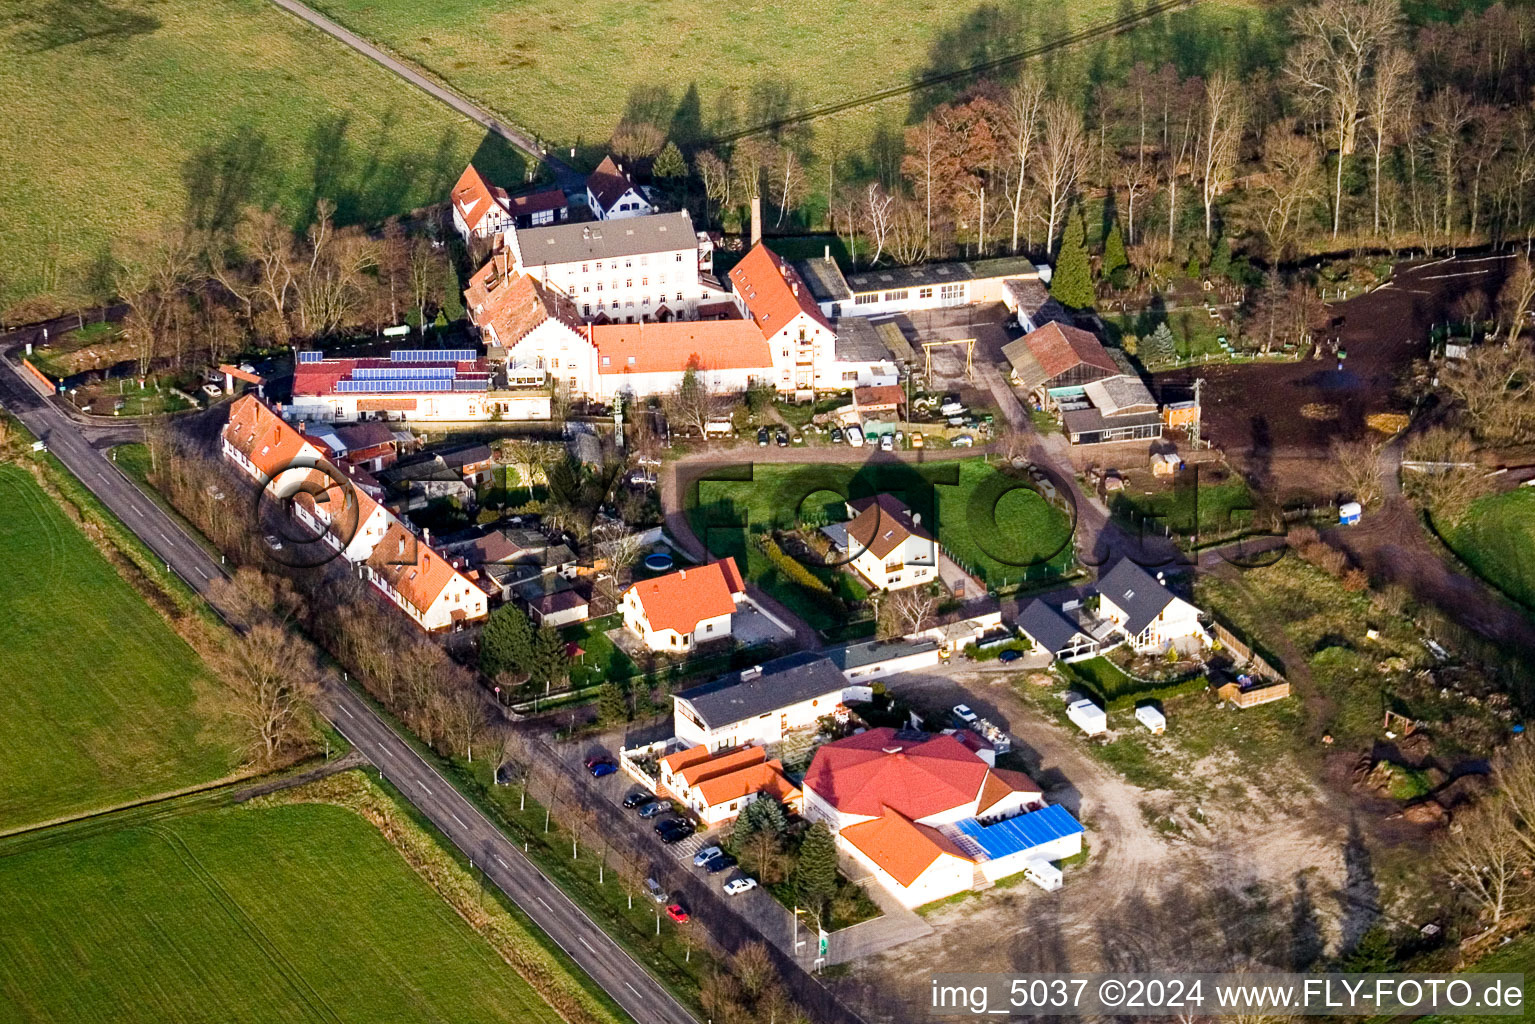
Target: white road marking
502 862
583 941
423 786
457 818
636 991
345 712
546 906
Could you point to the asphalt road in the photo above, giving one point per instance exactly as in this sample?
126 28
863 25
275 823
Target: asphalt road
629 984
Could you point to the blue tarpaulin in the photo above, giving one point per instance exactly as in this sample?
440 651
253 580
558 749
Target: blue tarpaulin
1026 831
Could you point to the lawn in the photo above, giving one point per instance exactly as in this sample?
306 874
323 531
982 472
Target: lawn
102 702
1203 509
293 913
569 73
986 521
150 113
1518 957
602 660
1497 539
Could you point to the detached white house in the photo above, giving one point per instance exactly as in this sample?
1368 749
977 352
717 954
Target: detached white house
673 612
887 544
759 705
718 786
1149 615
612 196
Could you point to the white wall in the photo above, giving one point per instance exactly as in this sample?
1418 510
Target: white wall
944 877
1055 849
628 286
638 206
759 731
442 406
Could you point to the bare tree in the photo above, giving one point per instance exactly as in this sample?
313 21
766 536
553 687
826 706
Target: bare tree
1358 463
911 609
466 719
153 280
1450 479
1021 109
877 217
619 546
425 272
1291 177
715 175
1517 297
1388 95
1220 139
272 675
1339 44
788 181
1063 152
1486 860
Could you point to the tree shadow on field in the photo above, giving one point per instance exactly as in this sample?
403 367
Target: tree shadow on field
986 33
49 26
223 178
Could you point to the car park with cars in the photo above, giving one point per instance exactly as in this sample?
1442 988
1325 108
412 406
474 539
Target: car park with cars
705 855
738 885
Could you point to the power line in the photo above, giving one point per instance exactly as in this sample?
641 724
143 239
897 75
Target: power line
1108 28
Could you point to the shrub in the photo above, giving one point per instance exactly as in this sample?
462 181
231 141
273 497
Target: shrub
791 569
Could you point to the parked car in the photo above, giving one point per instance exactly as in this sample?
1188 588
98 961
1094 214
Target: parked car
956 421
653 807
714 865
673 830
272 540
600 765
916 439
762 437
1009 655
639 796
855 436
655 892
212 390
782 438
836 435
677 913
963 441
736 886
963 715
887 442
707 854
951 408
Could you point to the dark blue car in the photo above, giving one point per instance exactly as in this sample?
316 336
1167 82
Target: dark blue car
600 766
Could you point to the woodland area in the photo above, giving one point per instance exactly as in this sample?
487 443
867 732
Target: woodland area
1368 134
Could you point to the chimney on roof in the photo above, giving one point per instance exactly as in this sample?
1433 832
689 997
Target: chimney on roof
827 254
794 286
756 220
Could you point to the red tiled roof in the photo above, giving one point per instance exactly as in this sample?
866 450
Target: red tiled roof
1059 348
258 433
1001 784
722 763
903 848
763 777
678 345
473 197
514 304
537 202
681 600
881 394
683 758
412 569
322 376
607 183
866 773
882 524
773 291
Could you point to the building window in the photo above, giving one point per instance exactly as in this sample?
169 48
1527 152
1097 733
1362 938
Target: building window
679 257
599 265
951 293
924 293
849 374
709 628
629 283
583 268
866 299
896 296
644 260
628 263
644 282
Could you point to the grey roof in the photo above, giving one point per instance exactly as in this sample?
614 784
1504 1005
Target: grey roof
1047 627
940 273
463 456
858 341
364 435
1121 395
1135 592
1033 299
631 236
783 682
1089 421
824 279
875 651
1025 364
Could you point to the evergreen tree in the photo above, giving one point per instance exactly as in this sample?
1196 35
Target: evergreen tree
548 663
1220 258
506 642
1161 347
1115 258
815 876
669 164
610 704
1072 281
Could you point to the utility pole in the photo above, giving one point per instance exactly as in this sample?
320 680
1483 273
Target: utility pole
1199 410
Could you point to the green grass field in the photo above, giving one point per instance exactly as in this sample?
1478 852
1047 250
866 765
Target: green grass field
101 702
294 913
1210 509
1497 539
1001 532
569 73
124 115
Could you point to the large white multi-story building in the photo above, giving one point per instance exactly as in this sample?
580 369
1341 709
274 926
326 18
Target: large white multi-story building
624 271
421 385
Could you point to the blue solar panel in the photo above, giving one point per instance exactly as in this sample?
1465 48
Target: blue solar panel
1023 832
404 372
433 355
384 386
310 357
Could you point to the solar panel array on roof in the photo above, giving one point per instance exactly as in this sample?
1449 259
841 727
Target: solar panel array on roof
433 355
404 372
310 357
364 386
1026 831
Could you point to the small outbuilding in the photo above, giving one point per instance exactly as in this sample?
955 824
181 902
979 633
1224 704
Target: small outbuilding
1349 513
1152 719
1088 717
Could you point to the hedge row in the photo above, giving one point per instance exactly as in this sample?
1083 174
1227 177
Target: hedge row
791 568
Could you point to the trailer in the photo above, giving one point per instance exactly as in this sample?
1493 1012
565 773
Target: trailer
1000 741
1088 717
1152 719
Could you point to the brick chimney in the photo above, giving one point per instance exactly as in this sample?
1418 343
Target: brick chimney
756 220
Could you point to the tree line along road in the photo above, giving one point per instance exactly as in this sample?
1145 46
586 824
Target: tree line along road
629 984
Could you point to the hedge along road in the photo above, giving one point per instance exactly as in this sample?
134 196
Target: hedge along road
629 984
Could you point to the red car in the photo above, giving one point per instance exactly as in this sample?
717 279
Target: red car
676 913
